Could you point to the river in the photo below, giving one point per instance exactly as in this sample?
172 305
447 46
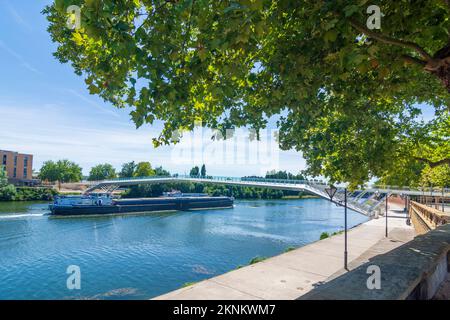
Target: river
143 256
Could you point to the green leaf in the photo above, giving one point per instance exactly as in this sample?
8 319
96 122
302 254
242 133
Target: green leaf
122 26
94 89
78 38
350 10
330 35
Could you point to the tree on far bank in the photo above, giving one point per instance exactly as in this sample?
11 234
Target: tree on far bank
203 171
144 169
348 95
160 171
49 172
7 191
3 177
102 172
283 175
62 171
195 171
128 170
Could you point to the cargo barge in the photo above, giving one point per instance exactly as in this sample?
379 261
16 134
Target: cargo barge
98 204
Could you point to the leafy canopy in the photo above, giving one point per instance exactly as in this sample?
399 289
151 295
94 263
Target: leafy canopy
203 171
195 172
128 170
436 177
347 95
144 169
3 177
102 172
61 171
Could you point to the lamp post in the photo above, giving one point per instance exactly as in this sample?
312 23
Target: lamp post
345 230
406 202
386 214
408 219
331 191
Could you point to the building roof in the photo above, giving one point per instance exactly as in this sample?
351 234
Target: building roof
26 154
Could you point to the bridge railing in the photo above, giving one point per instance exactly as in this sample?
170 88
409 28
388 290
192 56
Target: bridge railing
217 178
128 179
252 179
316 182
424 190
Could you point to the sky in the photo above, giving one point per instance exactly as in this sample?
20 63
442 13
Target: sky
46 110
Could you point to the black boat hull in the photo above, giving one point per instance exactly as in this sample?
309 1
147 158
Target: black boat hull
144 205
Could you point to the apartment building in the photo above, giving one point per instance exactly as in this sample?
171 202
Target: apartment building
19 167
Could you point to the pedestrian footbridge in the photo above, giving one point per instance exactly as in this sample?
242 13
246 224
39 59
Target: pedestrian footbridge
365 201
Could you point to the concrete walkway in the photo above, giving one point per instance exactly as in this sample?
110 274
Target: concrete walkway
292 274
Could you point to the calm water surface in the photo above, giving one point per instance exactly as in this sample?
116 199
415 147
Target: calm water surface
142 256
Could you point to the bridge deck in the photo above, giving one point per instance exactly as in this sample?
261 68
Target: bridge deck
365 201
260 182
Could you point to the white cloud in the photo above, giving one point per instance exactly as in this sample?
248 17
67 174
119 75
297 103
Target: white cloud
22 62
92 103
52 131
17 17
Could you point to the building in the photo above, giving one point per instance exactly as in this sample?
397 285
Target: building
19 167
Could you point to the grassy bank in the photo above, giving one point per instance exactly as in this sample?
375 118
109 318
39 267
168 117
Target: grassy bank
302 196
11 193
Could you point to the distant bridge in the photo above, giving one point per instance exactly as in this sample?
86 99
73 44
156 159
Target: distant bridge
363 201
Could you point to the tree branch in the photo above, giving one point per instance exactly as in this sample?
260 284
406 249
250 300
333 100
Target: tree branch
414 60
447 2
148 15
434 164
382 38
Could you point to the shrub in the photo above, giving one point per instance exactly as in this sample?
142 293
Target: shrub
35 194
8 193
188 284
324 235
257 259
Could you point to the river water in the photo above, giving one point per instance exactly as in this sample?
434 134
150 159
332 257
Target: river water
142 256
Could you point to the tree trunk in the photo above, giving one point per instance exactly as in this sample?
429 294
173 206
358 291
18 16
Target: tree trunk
443 73
440 66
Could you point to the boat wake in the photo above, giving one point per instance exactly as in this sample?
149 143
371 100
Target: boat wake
25 215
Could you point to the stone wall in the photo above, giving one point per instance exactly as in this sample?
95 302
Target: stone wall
414 270
425 218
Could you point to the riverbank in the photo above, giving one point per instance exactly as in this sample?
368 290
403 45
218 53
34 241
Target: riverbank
47 194
303 196
11 193
293 274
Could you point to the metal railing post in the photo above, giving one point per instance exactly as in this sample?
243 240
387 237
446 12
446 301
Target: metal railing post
386 214
345 228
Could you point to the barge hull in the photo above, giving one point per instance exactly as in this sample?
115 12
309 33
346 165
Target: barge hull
145 205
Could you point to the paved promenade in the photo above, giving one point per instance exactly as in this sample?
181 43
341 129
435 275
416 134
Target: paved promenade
292 274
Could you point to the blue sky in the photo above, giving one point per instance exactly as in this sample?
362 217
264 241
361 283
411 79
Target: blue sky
46 110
